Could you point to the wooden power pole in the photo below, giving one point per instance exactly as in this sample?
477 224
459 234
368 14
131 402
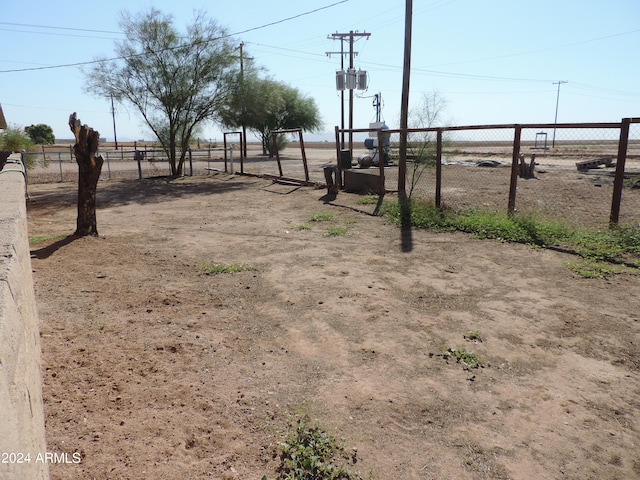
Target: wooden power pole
404 106
351 36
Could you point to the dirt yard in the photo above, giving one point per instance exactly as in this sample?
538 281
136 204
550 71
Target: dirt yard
154 369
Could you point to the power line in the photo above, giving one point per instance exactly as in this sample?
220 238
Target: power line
470 76
57 34
92 62
58 28
286 49
539 50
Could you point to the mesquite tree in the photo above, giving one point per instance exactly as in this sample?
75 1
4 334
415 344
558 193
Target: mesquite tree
422 145
176 81
89 168
264 105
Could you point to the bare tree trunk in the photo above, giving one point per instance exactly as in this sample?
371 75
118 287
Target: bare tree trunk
89 168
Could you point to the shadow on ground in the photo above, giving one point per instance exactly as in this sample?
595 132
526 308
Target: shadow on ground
153 190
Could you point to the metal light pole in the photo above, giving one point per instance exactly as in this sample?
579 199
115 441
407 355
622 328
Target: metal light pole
559 82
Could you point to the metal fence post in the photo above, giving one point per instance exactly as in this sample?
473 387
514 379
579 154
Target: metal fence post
338 155
381 162
618 183
139 166
243 149
438 167
225 152
108 164
514 169
190 163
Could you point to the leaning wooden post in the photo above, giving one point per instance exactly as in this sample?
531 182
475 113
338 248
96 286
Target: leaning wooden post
618 183
89 168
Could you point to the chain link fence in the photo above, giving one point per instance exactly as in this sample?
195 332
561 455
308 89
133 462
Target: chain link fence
564 172
58 164
630 202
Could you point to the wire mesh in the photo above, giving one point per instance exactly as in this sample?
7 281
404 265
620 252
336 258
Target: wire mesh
563 173
571 168
630 201
573 176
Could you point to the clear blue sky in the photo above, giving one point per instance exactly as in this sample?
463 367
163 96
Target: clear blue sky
493 61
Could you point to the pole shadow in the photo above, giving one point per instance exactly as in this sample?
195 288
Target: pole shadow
406 232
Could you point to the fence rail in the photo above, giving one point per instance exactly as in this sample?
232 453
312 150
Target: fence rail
583 173
57 163
54 164
588 174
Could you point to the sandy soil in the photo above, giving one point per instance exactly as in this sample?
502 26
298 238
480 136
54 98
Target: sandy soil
154 369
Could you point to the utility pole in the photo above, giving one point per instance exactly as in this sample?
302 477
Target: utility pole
559 82
113 115
243 144
404 105
341 52
351 36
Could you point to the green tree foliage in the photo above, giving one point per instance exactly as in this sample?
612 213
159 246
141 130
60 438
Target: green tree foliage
41 134
177 81
14 139
264 106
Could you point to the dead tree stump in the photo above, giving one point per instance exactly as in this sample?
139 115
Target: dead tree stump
527 170
89 167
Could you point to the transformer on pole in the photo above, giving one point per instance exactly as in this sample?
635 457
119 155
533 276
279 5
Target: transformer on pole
350 79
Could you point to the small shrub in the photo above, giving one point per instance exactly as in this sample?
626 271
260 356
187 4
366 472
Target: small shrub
218 268
313 454
473 336
370 200
320 217
298 228
337 232
590 269
464 356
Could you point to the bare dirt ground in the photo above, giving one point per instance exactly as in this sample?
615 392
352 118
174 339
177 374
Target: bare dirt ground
153 369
